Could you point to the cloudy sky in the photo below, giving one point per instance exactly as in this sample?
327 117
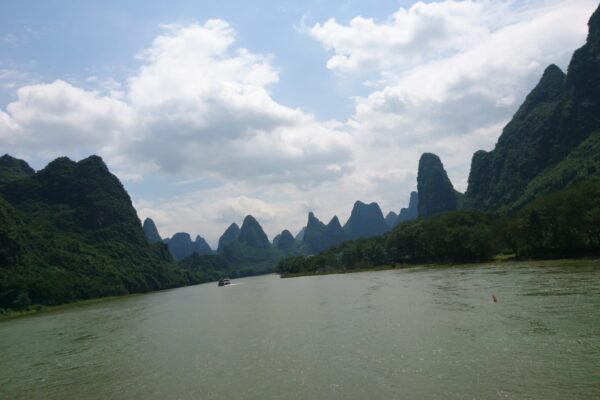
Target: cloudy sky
208 111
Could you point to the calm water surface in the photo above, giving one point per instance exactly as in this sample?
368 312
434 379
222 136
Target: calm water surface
404 334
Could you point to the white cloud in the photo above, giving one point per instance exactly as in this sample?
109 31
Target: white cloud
444 77
206 108
409 37
197 105
59 118
448 75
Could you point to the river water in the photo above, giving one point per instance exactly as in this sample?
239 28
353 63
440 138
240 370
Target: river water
422 333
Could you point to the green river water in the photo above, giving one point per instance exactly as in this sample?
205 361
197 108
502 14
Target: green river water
421 333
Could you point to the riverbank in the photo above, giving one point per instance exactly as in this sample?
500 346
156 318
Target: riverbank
34 309
42 309
498 260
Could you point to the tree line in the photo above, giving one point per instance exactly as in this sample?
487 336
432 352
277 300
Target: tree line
564 224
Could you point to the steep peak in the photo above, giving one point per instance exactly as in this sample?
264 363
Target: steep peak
285 241
550 87
60 164
391 218
300 234
411 212
286 233
366 220
313 221
150 230
231 234
93 159
429 160
583 78
552 72
252 234
181 236
201 246
436 193
319 237
180 245
13 168
12 162
594 27
359 206
334 223
414 200
249 222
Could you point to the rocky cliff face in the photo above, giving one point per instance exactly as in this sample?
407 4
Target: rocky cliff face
252 253
412 211
391 219
230 234
366 220
252 234
182 246
436 193
319 237
535 153
406 214
150 231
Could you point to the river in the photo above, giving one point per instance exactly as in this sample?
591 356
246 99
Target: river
420 333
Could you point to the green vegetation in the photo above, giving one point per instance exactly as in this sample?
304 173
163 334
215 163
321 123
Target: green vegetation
69 232
582 162
551 142
564 224
12 169
249 260
207 268
243 252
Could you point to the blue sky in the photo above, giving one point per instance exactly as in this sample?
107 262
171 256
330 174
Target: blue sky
208 111
74 40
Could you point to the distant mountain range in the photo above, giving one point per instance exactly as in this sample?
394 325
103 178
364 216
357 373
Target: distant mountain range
366 220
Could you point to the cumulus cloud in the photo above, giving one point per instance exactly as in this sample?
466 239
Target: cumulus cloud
448 75
444 76
197 105
58 117
207 108
409 37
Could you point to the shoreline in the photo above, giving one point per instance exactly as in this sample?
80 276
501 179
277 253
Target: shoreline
498 260
43 309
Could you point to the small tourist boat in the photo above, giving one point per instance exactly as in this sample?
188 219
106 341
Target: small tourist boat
224 282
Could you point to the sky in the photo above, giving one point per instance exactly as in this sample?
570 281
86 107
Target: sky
209 111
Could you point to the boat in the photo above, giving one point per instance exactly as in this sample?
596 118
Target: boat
224 282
